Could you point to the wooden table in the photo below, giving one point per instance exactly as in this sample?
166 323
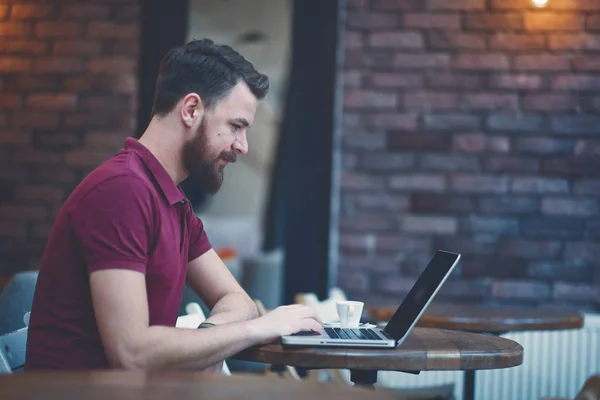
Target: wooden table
486 319
424 349
121 385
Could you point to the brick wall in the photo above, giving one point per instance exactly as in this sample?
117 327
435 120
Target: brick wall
473 126
67 102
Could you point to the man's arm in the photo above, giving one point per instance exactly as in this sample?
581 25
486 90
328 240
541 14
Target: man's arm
210 278
121 310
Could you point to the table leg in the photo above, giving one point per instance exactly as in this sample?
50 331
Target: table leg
469 385
366 379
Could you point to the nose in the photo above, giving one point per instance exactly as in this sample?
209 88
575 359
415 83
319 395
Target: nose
240 144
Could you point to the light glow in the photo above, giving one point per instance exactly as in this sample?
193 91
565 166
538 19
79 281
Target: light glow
540 3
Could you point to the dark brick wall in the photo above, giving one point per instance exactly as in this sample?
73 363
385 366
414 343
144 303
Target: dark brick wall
67 102
473 126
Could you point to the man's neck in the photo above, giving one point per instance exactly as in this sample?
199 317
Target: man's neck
165 144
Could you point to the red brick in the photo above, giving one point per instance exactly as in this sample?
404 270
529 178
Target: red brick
542 62
395 80
418 141
582 41
112 30
396 39
430 100
77 48
3 11
398 5
34 119
494 21
364 182
122 47
86 158
108 102
511 4
592 22
365 222
483 61
479 183
23 47
62 139
34 192
33 156
513 41
456 40
569 206
369 99
372 20
26 83
441 225
58 29
353 40
451 121
586 62
534 184
10 101
52 101
32 11
516 81
478 142
62 65
432 21
455 81
113 83
418 182
577 5
508 164
549 21
15 136
424 60
456 5
112 64
22 212
15 30
576 82
490 101
85 11
88 119
550 101
395 120
105 139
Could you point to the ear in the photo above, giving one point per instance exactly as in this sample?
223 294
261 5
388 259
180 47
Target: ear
192 109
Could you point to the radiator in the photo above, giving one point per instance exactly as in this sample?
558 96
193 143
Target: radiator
555 363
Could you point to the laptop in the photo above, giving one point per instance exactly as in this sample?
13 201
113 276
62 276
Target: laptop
406 316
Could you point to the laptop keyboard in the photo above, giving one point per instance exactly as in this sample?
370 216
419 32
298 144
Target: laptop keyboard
351 333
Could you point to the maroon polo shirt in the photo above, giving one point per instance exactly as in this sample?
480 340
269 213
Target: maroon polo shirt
127 214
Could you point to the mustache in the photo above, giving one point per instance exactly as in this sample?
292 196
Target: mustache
229 156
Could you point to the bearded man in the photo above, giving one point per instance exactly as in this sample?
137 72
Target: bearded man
126 240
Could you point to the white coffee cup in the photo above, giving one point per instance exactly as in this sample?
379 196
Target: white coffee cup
349 313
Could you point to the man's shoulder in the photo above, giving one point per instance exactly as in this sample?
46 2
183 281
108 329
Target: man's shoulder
121 175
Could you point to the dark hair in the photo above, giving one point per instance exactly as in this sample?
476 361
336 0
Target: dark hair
205 68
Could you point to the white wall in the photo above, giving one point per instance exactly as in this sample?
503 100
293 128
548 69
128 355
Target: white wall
245 189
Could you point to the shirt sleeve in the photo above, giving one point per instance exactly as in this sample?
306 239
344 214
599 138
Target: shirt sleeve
199 243
114 224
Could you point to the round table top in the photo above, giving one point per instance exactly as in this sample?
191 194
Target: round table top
424 349
488 319
122 385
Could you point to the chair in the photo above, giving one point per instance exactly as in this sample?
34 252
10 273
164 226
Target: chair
13 349
16 299
195 316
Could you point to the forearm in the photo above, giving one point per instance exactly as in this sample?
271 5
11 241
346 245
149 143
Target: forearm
160 347
233 307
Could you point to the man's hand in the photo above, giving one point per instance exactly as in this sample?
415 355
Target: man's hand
286 320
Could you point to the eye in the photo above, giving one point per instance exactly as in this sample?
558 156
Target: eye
236 127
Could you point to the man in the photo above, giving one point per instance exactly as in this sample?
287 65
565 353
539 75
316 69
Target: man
125 241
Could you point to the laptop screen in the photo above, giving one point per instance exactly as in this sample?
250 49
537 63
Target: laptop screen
421 292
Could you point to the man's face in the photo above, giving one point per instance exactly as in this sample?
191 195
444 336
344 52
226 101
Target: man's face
220 137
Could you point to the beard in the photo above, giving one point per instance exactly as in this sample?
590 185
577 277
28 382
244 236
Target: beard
205 170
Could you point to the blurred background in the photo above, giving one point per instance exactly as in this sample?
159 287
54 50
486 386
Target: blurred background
393 128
